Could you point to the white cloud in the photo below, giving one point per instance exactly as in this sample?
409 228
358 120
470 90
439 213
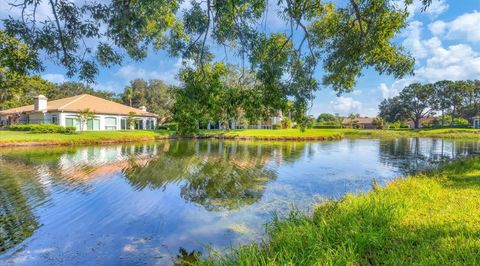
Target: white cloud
436 61
108 86
437 28
55 78
436 8
130 72
413 40
394 89
456 62
345 105
464 27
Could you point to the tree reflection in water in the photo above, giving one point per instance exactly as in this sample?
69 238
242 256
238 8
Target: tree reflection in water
414 154
215 175
18 190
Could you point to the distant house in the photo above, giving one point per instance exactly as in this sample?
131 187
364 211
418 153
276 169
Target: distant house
267 123
108 115
423 121
476 121
359 122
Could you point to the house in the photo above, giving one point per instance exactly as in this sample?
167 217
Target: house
476 121
424 121
108 115
360 122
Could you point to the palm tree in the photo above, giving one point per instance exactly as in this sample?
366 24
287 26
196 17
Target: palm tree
129 92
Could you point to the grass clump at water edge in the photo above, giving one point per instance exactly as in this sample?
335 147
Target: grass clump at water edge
430 218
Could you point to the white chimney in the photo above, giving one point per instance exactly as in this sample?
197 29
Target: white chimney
143 108
40 103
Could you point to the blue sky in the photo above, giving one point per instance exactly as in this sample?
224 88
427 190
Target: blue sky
445 41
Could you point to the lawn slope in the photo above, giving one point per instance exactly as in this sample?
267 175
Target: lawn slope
427 219
22 138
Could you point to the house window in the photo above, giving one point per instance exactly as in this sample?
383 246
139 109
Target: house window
54 119
123 123
148 124
110 123
138 124
69 122
93 124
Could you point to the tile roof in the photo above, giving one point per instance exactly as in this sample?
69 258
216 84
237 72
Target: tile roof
82 102
359 120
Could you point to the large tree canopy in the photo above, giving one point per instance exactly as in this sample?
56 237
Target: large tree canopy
343 38
154 94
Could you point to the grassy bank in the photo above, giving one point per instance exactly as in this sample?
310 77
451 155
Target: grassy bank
8 138
279 134
427 219
330 134
11 138
461 133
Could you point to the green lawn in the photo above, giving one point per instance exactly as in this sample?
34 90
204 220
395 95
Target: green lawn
464 133
325 134
85 137
427 219
282 134
21 137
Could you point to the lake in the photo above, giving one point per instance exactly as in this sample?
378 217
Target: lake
147 203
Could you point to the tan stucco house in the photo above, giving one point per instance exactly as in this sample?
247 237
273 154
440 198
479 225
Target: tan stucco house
64 112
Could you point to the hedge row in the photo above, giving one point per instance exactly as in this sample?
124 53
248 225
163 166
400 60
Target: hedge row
43 128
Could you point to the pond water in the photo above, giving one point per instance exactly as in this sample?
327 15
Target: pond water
148 203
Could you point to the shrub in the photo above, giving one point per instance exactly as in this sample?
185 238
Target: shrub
42 128
318 125
286 123
398 124
277 126
70 129
168 126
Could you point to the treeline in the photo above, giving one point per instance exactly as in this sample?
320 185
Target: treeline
453 102
154 94
223 94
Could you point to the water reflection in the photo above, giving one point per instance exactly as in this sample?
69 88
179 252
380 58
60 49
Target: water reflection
142 203
20 193
216 176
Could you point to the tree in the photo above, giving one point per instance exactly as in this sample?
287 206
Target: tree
69 89
416 101
16 58
128 94
326 117
378 122
392 110
22 91
131 120
153 94
442 100
456 95
83 116
344 38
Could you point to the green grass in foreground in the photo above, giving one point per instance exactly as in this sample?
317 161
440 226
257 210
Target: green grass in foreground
81 137
427 219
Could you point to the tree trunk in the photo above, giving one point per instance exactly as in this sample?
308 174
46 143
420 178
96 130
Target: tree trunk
443 118
417 122
453 117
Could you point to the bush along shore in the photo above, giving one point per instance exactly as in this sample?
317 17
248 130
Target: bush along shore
431 218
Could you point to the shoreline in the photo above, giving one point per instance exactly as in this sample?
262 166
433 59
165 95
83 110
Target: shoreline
113 141
26 139
429 217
